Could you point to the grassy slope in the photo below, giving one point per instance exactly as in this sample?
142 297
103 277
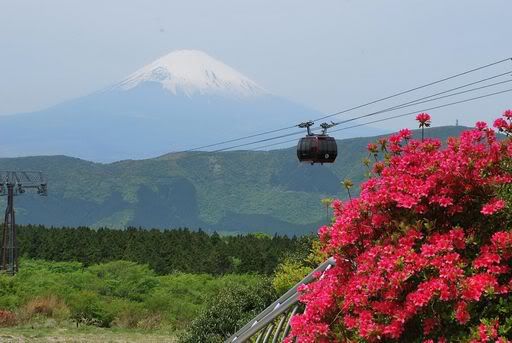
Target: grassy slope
228 191
135 300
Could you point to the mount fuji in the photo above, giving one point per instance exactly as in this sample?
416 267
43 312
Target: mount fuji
180 101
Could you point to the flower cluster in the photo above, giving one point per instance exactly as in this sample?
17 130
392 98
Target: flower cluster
426 240
504 124
423 119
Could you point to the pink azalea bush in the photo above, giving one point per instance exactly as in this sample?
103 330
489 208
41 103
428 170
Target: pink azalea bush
425 253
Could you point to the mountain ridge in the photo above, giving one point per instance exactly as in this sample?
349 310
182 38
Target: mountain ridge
235 191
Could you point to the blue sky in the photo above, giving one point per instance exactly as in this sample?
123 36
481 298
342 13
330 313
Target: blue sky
327 55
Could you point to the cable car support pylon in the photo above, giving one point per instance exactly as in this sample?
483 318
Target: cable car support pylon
14 183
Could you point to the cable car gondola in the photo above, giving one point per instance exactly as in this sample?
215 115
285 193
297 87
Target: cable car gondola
317 148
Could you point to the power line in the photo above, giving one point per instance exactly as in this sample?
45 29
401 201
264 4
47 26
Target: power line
240 138
424 110
405 105
353 108
416 88
396 116
419 102
456 88
260 141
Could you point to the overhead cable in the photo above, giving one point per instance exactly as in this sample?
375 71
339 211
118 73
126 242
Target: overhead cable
353 108
394 117
379 112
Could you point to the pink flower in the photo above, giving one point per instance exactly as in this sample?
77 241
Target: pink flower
481 125
423 119
429 324
487 332
372 148
461 312
476 285
400 247
501 124
493 206
405 133
508 114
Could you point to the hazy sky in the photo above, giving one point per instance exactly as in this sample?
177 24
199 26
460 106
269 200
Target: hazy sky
327 55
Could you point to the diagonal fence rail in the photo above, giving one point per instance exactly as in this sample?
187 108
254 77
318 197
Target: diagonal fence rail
273 324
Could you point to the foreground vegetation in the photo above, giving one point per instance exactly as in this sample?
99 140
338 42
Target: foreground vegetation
119 294
450 252
178 285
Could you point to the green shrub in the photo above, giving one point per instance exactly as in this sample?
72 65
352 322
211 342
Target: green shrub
128 314
124 279
229 310
87 308
42 278
288 274
8 297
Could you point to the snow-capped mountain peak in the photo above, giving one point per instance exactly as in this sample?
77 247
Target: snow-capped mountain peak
193 72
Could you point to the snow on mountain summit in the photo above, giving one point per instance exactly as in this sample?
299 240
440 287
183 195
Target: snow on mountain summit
194 72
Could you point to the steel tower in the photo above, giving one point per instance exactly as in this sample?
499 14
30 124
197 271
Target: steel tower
14 183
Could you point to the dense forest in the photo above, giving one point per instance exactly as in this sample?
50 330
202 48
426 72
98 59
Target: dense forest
165 252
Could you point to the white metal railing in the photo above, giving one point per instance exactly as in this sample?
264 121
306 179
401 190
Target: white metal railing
274 322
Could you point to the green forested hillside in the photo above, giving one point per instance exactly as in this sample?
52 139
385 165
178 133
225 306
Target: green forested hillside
239 191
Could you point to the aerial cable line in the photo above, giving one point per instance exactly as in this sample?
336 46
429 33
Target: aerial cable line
368 115
429 98
259 141
396 116
454 94
419 102
415 88
399 107
240 138
427 109
353 108
389 109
